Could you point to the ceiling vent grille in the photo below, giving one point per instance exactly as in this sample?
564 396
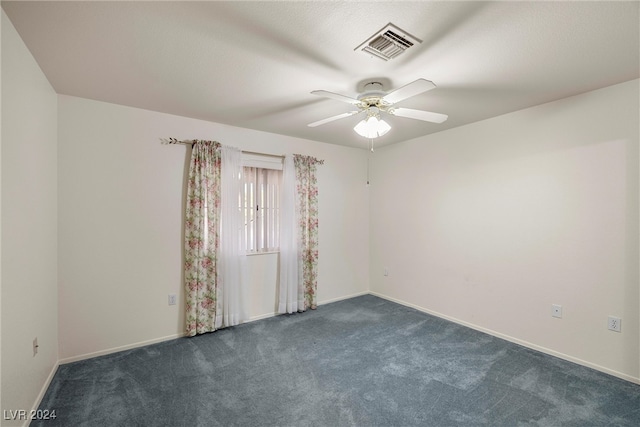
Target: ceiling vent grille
388 43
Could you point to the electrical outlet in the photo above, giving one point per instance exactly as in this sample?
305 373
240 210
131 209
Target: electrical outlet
556 311
615 323
386 271
35 346
172 299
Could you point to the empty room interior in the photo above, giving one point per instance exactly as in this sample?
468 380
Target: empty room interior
471 234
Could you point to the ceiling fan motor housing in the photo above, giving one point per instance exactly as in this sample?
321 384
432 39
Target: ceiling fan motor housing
372 97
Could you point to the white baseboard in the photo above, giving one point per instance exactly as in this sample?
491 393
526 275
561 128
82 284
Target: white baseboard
171 337
357 294
329 301
117 349
260 317
407 304
515 340
43 390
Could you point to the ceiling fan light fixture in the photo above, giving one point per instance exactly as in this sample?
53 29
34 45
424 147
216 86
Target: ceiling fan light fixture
372 127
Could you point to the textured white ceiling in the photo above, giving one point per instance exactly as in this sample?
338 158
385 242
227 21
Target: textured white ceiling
254 64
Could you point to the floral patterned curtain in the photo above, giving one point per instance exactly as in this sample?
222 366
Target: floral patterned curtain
202 240
307 211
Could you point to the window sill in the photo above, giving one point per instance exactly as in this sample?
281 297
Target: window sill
261 253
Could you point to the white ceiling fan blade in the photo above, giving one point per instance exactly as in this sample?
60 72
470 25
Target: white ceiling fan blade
336 96
407 91
427 116
330 119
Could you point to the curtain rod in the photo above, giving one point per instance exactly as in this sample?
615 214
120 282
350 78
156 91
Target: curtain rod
191 142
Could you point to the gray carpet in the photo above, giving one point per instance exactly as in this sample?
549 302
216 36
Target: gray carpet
359 362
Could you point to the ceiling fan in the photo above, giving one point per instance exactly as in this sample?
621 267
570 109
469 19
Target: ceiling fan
374 101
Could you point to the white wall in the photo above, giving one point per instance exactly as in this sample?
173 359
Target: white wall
29 225
487 224
490 223
120 222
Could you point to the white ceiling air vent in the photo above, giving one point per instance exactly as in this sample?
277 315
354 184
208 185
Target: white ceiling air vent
388 43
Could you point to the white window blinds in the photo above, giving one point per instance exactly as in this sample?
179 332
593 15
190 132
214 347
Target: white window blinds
260 206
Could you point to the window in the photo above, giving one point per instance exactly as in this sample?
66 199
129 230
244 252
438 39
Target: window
260 207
